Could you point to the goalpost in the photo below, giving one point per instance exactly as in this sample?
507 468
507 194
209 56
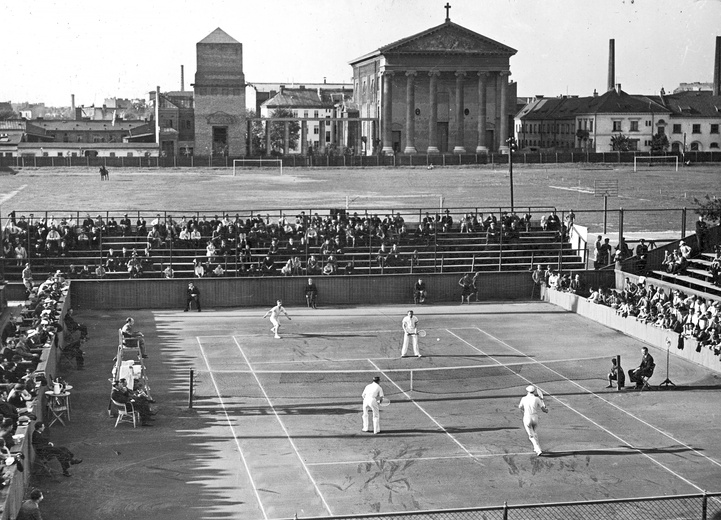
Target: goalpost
654 158
428 200
243 164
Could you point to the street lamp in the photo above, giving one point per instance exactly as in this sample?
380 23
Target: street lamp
511 141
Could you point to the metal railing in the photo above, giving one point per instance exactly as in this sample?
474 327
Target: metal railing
702 506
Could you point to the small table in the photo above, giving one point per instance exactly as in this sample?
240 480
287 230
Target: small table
59 407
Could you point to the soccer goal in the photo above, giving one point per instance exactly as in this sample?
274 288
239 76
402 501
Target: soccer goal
254 164
654 159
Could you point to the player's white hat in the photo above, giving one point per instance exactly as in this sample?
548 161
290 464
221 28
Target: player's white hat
530 389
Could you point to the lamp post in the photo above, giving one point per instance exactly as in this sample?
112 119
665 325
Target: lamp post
511 141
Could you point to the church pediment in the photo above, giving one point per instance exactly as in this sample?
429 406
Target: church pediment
448 38
220 118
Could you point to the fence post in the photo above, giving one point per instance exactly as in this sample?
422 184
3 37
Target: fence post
190 388
620 224
704 506
683 222
505 510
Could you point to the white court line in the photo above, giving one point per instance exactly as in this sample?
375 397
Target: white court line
319 360
422 410
280 422
230 425
674 439
10 195
447 457
609 432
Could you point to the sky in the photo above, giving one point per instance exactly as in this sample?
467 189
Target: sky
97 49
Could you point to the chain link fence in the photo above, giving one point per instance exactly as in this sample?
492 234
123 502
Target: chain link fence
680 507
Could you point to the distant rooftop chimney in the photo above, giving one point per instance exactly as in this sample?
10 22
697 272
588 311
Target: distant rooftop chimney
611 64
323 80
182 78
595 93
717 69
618 88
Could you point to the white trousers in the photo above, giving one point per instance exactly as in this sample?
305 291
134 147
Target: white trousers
405 344
276 325
371 404
530 422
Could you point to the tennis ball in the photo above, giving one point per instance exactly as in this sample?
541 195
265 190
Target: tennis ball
438 339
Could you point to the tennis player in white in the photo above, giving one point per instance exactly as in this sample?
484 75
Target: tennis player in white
530 404
372 396
274 315
410 330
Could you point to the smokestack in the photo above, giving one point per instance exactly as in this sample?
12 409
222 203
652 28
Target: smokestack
611 64
72 104
157 116
717 69
182 78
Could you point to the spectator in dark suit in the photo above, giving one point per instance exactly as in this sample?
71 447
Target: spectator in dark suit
193 296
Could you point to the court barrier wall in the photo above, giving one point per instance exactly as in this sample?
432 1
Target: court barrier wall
649 334
332 290
689 507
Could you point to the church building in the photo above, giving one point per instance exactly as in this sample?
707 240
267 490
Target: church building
445 89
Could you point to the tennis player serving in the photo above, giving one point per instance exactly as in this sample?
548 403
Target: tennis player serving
274 314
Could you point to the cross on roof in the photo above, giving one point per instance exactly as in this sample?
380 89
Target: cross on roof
448 12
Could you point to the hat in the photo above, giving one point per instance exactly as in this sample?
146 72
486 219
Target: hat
530 389
376 379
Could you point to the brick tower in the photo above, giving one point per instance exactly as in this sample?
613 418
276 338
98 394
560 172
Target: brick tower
219 96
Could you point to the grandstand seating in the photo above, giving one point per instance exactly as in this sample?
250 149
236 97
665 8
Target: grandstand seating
451 251
697 276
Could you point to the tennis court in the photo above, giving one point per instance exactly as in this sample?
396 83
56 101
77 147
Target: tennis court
289 422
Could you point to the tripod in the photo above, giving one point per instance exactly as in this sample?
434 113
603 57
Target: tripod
667 383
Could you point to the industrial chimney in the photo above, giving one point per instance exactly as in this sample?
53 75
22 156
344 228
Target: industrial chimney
717 69
72 104
611 64
182 78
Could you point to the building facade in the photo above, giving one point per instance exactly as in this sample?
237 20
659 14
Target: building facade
442 90
219 96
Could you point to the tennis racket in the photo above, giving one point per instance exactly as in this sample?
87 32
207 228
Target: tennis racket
385 402
540 395
420 334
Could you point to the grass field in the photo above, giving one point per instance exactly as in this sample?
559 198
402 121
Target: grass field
181 190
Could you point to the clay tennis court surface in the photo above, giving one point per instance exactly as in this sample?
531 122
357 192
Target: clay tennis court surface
276 427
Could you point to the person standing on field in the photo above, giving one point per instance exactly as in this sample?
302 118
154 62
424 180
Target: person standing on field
410 330
274 314
372 397
530 405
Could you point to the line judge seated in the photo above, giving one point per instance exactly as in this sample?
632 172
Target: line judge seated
644 370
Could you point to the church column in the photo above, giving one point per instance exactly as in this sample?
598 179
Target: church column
433 116
482 112
304 137
410 112
387 129
504 111
267 137
286 137
459 148
497 111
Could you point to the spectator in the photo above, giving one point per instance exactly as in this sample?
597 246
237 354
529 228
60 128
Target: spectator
192 297
132 338
419 292
47 450
616 374
466 283
123 395
311 294
701 233
685 250
606 252
30 509
645 369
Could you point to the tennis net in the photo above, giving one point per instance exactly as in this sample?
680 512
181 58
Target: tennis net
447 380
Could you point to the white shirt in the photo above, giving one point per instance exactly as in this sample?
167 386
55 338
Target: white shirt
530 404
372 392
410 323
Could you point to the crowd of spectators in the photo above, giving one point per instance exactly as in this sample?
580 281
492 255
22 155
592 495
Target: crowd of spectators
690 316
300 245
